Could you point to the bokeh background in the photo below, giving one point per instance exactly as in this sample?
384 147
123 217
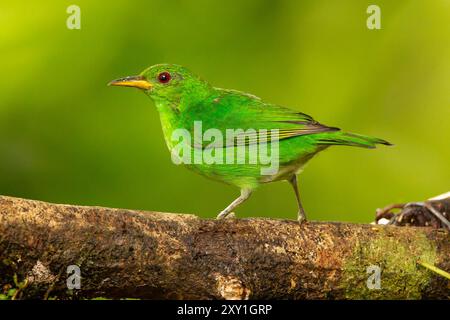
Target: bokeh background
66 137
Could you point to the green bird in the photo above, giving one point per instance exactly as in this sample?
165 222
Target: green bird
186 102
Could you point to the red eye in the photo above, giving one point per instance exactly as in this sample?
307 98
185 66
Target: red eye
164 77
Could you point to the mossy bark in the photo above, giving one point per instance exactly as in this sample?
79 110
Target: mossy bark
135 254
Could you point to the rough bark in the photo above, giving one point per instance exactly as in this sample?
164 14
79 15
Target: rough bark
135 254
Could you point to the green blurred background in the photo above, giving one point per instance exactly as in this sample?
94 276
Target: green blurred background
66 137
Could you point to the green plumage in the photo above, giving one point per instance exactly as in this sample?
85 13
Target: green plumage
185 99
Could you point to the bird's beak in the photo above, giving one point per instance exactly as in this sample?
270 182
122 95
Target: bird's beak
139 82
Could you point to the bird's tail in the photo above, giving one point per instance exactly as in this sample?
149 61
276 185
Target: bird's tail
350 139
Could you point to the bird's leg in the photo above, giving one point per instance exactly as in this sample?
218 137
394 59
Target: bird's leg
301 212
245 194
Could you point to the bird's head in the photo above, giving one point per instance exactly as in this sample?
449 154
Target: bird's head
165 82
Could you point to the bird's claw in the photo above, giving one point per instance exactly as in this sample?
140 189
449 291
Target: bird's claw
301 218
226 215
231 215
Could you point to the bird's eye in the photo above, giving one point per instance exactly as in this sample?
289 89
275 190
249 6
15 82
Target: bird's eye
164 77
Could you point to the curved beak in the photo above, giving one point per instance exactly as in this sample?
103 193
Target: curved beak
139 82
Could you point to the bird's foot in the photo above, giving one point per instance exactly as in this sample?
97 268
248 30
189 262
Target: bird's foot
301 217
225 215
231 215
301 220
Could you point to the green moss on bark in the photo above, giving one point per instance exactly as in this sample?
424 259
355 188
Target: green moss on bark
401 276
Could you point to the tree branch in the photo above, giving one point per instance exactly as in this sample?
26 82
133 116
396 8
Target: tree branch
125 253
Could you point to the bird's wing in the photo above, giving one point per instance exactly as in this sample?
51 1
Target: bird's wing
251 118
